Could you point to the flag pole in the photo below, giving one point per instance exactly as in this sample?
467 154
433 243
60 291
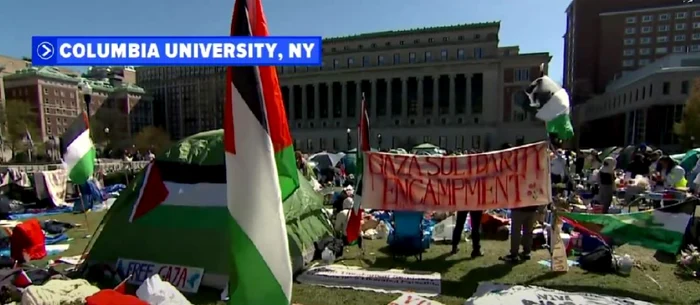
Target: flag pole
557 251
82 205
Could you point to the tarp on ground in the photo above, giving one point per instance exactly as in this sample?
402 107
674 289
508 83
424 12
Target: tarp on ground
161 237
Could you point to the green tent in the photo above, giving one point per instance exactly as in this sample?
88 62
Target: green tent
201 243
689 159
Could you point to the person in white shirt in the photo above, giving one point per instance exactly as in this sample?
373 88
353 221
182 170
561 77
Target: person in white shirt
558 167
341 218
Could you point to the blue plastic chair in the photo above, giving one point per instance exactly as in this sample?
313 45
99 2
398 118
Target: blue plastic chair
407 237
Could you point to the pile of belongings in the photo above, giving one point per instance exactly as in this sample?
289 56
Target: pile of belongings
31 239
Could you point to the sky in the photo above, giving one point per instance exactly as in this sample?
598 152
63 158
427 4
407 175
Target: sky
534 25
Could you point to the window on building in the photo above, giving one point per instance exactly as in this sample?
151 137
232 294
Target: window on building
662 39
696 14
644 51
664 17
666 89
679 38
645 40
397 58
661 50
695 48
350 62
679 49
630 31
380 60
522 74
629 41
680 26
696 25
476 142
646 29
685 87
430 40
477 53
647 18
443 55
365 61
631 20
628 63
664 28
412 57
460 37
628 52
696 36
681 15
428 56
643 62
460 53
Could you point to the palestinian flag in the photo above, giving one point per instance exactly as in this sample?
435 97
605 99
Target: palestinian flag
77 150
352 231
550 103
198 189
660 229
260 173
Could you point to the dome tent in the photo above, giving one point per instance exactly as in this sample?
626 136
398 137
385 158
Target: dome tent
197 235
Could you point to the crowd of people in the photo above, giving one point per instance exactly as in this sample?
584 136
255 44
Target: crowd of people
568 170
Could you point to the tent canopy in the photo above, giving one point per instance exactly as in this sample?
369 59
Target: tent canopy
180 238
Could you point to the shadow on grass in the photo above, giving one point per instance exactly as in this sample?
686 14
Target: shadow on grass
665 258
613 292
439 264
466 286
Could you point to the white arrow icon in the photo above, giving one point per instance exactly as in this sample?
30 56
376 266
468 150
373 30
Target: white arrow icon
44 50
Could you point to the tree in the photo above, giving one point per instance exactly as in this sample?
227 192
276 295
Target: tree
152 138
18 118
108 127
688 129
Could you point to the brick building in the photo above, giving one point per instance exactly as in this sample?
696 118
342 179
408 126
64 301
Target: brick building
585 70
55 98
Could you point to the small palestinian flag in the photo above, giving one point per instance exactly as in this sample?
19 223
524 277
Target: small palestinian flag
77 150
660 229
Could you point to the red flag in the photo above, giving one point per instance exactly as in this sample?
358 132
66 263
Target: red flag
22 279
152 193
354 227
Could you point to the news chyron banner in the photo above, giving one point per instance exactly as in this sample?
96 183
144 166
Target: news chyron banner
176 51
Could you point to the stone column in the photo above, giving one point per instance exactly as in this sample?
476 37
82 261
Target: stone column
389 109
373 100
293 109
421 102
453 109
317 101
436 94
344 100
404 97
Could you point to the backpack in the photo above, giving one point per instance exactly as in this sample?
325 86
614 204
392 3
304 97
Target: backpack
599 260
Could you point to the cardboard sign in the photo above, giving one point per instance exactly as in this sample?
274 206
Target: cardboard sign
413 299
511 178
560 262
185 279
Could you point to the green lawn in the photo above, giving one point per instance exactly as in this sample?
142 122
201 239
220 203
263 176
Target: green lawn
461 274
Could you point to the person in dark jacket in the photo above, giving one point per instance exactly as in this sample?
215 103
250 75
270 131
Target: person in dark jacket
475 217
638 166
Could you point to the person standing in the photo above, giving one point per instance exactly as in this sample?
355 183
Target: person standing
522 224
606 183
475 217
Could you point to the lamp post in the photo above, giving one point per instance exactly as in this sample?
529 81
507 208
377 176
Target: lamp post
379 141
347 132
86 91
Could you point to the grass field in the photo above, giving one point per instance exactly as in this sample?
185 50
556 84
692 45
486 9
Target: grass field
461 274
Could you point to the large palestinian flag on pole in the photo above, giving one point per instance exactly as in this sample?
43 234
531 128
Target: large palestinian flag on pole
78 151
260 172
660 229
